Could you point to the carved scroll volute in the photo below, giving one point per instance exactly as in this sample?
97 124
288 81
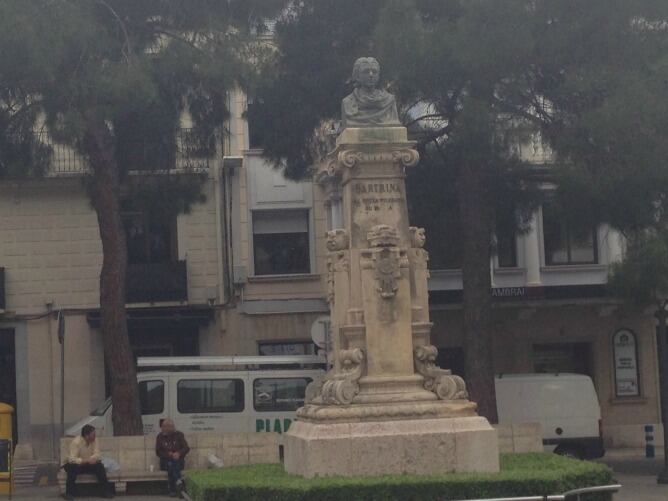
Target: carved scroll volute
349 158
338 388
442 382
408 157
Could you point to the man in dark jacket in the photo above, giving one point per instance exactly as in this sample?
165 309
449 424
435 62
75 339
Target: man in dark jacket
171 447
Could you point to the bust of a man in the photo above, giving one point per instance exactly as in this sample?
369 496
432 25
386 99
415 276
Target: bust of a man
367 105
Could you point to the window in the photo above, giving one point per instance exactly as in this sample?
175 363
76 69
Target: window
254 120
564 244
210 395
563 357
292 348
149 239
275 395
151 397
101 410
506 249
281 242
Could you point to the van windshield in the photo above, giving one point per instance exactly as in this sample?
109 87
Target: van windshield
101 410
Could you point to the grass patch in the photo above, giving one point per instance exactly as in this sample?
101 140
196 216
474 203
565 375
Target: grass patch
521 475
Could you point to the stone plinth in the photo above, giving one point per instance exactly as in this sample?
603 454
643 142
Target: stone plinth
412 446
385 407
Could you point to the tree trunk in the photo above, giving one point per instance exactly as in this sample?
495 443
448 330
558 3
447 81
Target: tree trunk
477 226
105 197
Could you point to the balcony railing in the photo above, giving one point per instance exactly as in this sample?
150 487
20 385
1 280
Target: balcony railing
157 282
188 153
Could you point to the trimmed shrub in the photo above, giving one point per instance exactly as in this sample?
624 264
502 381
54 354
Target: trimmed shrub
521 475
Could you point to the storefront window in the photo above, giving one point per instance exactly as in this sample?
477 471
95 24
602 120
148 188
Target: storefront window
563 357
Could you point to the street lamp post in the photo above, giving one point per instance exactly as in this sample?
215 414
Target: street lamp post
662 348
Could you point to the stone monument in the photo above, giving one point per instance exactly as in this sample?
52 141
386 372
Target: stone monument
384 407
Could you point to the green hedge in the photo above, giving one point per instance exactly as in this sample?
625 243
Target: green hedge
521 475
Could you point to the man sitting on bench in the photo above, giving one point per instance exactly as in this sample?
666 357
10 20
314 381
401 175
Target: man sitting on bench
171 447
85 457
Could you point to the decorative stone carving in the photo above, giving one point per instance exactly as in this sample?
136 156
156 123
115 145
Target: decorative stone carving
337 240
418 237
330 280
382 235
442 382
338 388
350 158
367 105
337 260
314 390
387 272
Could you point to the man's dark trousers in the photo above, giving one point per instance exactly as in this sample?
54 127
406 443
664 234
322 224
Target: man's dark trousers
173 467
96 469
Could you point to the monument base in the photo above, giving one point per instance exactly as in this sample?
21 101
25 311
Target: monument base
412 446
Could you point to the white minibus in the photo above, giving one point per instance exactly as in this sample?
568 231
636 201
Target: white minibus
216 394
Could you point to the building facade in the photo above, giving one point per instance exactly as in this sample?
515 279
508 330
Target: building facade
245 272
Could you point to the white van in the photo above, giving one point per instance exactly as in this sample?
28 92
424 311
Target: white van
257 394
566 405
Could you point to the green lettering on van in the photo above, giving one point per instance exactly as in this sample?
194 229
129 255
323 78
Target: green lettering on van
286 424
259 425
277 426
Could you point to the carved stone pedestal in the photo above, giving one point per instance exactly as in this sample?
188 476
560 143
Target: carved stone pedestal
385 407
414 446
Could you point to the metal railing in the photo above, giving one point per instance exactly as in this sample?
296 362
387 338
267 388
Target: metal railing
573 495
189 152
566 496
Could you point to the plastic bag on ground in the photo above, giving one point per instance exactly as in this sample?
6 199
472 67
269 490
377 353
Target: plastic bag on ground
111 465
214 461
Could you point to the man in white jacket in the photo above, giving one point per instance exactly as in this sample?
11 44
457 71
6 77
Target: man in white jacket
84 457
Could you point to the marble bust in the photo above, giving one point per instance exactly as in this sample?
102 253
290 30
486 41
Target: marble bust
367 105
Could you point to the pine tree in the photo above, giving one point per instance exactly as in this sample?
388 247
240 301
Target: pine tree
109 78
473 78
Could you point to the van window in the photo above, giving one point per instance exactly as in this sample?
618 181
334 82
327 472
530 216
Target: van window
209 395
279 394
152 397
101 410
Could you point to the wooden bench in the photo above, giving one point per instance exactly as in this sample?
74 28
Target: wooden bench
136 455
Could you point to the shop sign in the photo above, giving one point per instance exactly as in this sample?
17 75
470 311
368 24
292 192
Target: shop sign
626 363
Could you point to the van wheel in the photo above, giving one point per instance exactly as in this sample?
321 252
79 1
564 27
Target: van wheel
570 451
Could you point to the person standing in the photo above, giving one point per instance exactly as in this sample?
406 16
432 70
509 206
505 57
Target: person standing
171 447
84 457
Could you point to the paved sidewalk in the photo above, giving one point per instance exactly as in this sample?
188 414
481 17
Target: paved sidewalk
637 476
53 493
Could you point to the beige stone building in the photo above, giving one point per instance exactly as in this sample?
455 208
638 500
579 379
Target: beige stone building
245 273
